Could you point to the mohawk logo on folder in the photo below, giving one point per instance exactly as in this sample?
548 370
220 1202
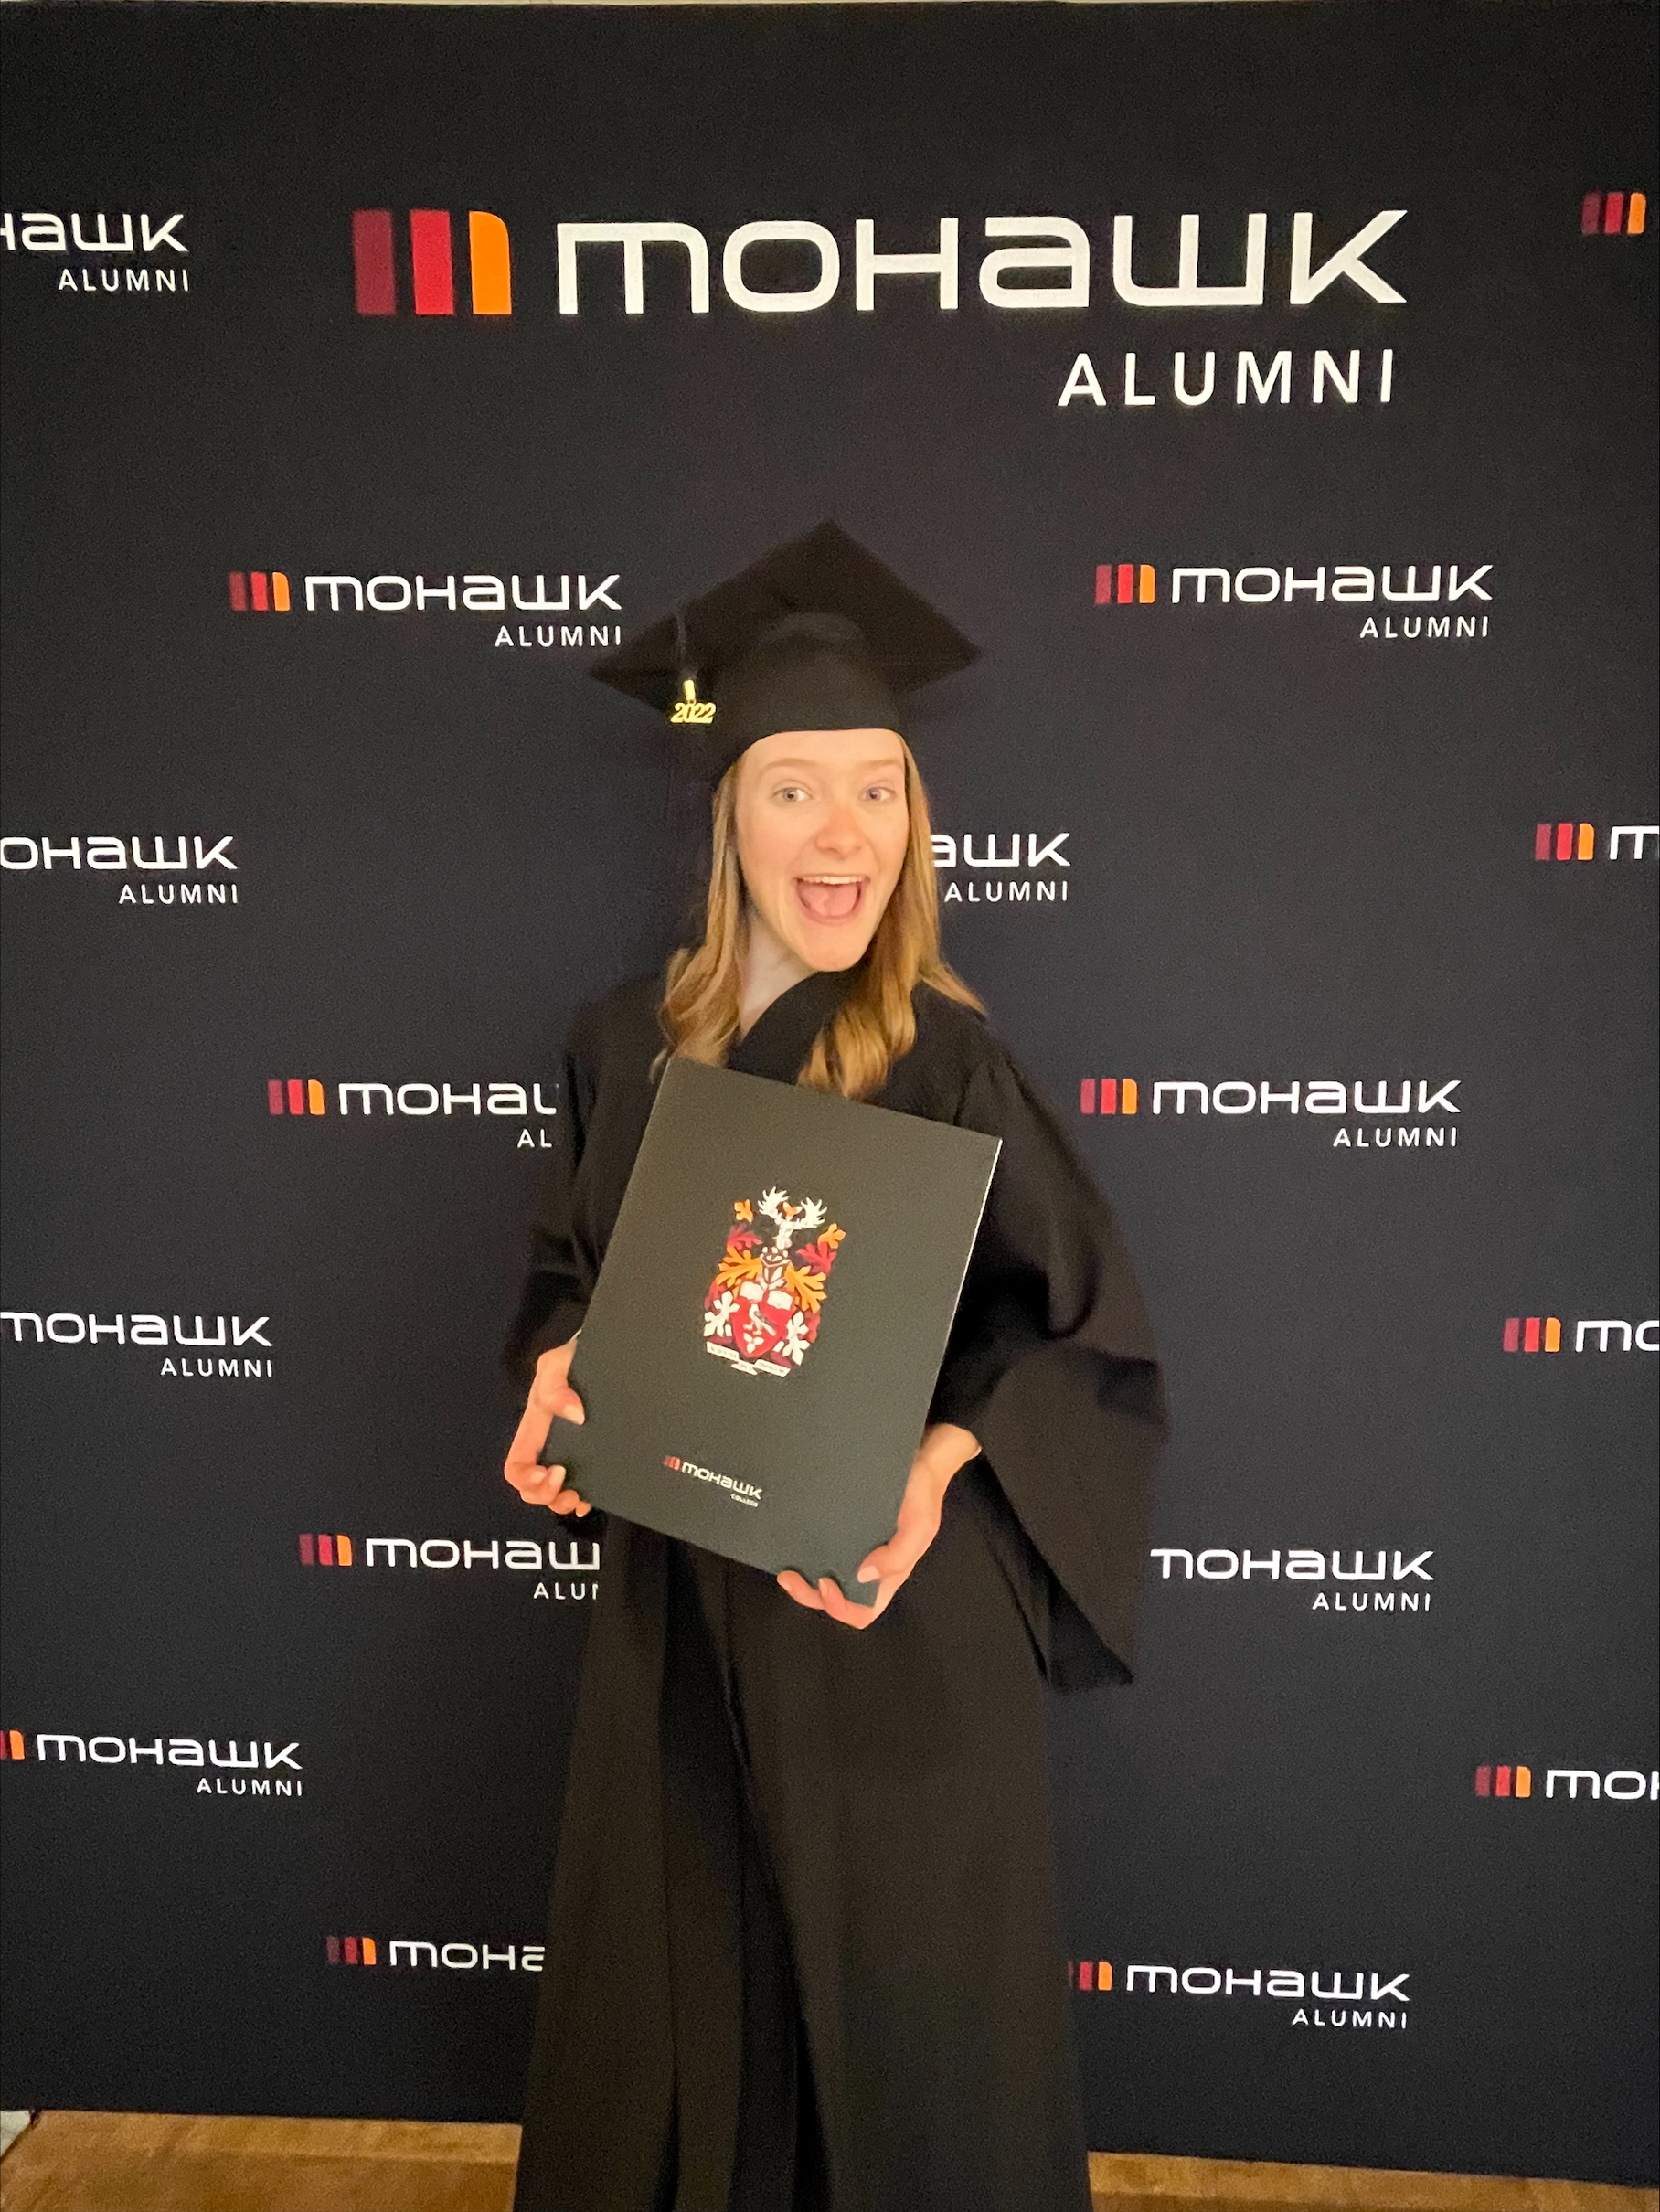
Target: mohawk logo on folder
740 1494
755 1387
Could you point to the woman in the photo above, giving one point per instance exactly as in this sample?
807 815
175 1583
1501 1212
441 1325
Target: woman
804 1949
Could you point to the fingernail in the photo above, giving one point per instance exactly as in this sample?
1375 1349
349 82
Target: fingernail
868 1574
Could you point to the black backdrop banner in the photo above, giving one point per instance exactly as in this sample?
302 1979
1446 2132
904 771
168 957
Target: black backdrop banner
1270 391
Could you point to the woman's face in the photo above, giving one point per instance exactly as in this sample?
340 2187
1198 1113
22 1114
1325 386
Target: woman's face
822 830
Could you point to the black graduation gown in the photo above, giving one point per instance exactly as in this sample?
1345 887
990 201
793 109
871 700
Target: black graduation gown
804 1949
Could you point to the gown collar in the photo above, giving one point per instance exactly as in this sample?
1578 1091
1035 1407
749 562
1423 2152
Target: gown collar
781 1036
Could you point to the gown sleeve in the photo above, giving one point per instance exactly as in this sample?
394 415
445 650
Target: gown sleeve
1051 1364
558 1282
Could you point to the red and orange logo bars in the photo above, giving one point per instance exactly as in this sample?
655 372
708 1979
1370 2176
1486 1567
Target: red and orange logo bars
1108 1094
1125 583
351 1951
1089 1973
1613 214
325 1551
1504 1782
263 590
1565 840
12 1745
296 1095
431 262
1533 1333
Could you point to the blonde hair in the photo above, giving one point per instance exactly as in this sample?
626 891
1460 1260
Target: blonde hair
875 1024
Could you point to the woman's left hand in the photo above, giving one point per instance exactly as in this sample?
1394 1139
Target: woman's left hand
943 1450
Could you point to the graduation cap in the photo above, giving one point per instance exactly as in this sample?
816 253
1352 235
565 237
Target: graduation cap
817 634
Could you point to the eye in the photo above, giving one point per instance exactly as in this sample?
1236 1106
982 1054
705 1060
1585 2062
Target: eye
791 791
879 791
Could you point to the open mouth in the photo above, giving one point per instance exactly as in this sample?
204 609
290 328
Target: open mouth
830 898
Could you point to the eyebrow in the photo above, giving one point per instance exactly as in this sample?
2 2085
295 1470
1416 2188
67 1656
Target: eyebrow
886 760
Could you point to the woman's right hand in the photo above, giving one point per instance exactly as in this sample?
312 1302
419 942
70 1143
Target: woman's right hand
550 1396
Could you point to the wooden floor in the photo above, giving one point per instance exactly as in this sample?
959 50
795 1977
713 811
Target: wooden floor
143 2162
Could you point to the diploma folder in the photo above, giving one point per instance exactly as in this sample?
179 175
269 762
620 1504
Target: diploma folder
762 1343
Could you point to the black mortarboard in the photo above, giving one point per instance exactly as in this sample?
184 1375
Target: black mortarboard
816 634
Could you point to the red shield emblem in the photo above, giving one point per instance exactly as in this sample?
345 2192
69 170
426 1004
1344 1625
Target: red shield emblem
763 1308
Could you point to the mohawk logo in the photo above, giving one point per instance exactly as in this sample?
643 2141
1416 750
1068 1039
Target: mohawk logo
1614 215
269 591
1359 1993
1619 1785
1055 245
520 1555
265 590
410 1951
1571 841
87 1330
1380 1105
22 855
306 1097
1504 1782
1016 877
145 856
1125 583
278 1775
740 1494
43 233
1406 1577
1108 1094
1543 1332
127 233
431 266
297 1095
325 1551
1344 584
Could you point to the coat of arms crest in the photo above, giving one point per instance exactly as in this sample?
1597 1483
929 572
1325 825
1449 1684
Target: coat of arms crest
762 1310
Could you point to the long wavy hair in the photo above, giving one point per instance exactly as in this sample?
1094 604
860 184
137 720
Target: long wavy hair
875 1024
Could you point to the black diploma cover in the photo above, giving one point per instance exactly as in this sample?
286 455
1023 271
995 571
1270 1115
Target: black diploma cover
758 1357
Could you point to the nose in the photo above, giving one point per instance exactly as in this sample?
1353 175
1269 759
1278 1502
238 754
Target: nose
840 833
